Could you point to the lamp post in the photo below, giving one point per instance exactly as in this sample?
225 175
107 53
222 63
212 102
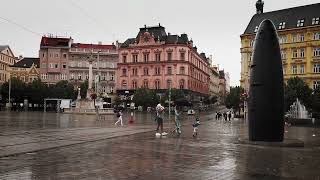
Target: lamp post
9 104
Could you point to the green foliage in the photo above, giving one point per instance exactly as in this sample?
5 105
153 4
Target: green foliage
37 91
63 90
145 97
210 100
175 94
297 88
117 101
83 89
233 99
316 103
17 90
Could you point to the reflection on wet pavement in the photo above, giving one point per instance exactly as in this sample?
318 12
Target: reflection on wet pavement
212 155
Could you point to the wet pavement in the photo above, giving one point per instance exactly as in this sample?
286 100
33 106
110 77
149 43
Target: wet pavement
214 154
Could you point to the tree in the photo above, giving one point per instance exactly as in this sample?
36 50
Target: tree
63 89
316 103
233 98
117 101
83 89
297 88
145 97
18 92
37 91
175 94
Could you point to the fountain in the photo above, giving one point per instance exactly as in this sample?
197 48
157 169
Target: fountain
298 115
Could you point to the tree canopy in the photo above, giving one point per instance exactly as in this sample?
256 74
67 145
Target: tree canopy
233 99
145 97
297 88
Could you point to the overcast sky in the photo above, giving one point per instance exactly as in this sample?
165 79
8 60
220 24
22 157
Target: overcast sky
215 26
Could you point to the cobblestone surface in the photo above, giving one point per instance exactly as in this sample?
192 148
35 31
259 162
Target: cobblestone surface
214 154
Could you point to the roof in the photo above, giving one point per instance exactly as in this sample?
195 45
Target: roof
27 62
55 41
221 74
290 16
3 47
93 46
159 33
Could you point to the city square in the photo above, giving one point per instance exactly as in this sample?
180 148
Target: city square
160 90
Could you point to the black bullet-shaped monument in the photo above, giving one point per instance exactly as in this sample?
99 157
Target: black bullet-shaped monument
266 99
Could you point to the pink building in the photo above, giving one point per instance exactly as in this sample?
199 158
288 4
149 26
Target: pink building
156 60
54 58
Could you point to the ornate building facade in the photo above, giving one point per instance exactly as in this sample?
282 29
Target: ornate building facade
26 69
7 59
157 60
299 38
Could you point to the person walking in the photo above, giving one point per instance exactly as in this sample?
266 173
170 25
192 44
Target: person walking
195 127
177 120
119 115
229 115
160 113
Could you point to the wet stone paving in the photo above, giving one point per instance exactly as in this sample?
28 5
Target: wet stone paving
214 154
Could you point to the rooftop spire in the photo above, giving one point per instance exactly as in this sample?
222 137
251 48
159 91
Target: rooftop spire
259 6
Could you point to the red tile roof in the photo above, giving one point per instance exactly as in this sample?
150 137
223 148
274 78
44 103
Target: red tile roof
53 41
93 46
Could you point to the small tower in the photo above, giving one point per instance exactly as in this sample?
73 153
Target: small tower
259 6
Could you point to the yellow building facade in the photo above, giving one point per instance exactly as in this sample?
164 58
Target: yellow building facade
27 70
299 38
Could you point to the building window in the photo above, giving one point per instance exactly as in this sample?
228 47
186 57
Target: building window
64 56
135 72
87 76
135 57
282 25
251 42
316 68
250 57
79 76
302 52
283 39
283 54
56 66
157 84
316 84
111 89
124 72
182 56
71 76
134 84
169 83
300 23
42 54
157 71
302 69
294 69
145 71
169 56
112 77
256 29
284 69
316 36
79 64
64 66
124 84
51 65
316 52
169 70
182 70
158 57
301 37
315 21
56 55
181 84
145 83
294 53
124 59
146 57
294 38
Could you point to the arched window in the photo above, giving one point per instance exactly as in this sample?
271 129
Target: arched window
145 83
181 84
124 84
157 84
182 71
145 71
134 84
169 83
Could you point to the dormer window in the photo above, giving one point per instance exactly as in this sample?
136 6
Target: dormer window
315 21
256 29
300 23
282 25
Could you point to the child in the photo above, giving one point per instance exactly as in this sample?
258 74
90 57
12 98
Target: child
119 115
195 127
